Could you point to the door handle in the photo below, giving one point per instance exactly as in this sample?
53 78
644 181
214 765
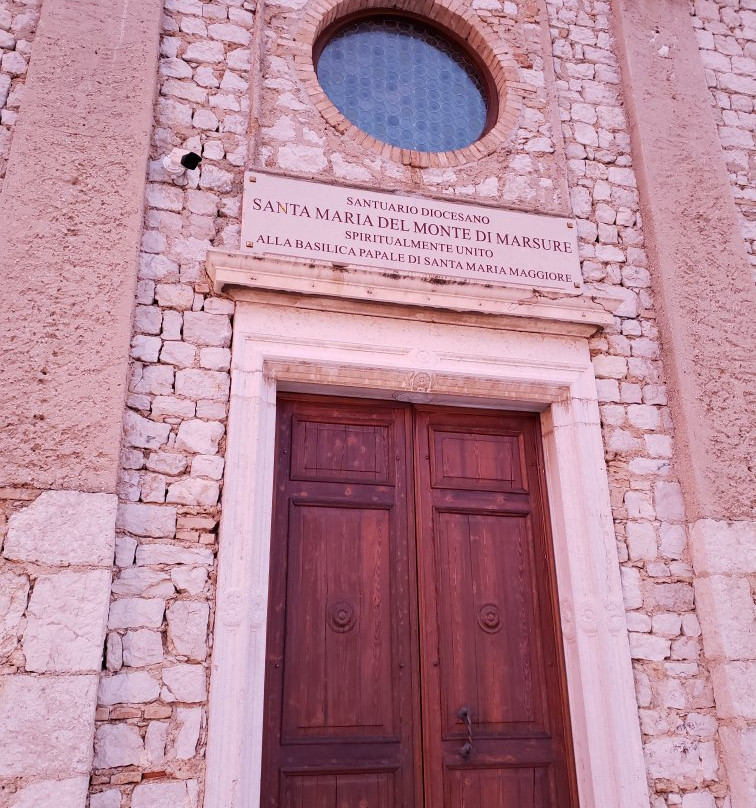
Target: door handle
467 749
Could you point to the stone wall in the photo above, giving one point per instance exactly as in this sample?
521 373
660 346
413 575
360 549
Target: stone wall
149 746
18 23
673 685
570 154
726 32
57 555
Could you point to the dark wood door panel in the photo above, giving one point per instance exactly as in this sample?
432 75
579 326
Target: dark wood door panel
499 788
476 460
343 790
494 707
489 635
341 720
340 630
358 448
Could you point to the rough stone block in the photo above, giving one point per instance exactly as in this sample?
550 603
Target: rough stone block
646 646
154 741
631 588
66 622
194 491
187 628
106 799
136 613
740 760
64 527
118 745
723 547
680 760
725 608
215 358
154 521
150 554
143 433
673 540
71 793
203 384
14 592
181 794
668 502
48 725
201 437
672 597
641 540
189 579
735 689
131 687
142 647
201 328
166 463
186 682
189 720
142 581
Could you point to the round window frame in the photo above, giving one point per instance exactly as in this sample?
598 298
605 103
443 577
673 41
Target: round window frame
490 91
490 55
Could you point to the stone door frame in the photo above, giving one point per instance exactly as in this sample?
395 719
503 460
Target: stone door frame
284 342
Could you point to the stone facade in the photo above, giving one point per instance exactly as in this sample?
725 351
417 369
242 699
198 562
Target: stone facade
18 24
725 31
229 89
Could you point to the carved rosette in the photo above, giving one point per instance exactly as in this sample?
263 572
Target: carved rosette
341 616
489 618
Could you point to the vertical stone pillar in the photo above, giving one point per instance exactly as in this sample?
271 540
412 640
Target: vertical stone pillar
70 227
705 295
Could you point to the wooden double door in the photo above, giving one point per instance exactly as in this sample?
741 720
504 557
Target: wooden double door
413 644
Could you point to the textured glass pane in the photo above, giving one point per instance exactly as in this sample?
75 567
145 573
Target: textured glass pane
404 83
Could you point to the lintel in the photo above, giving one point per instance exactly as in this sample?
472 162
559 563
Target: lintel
348 288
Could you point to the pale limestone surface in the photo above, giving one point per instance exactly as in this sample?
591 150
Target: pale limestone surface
106 799
187 628
136 613
63 527
189 720
49 720
14 592
189 579
118 745
128 688
165 795
66 622
147 520
185 683
142 648
69 793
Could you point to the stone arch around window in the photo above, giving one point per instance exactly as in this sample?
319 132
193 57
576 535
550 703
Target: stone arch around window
450 17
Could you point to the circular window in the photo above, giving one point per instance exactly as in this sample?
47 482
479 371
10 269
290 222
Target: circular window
405 83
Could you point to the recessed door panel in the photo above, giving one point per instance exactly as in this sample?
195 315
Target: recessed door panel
498 788
488 629
356 451
476 460
365 790
338 627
